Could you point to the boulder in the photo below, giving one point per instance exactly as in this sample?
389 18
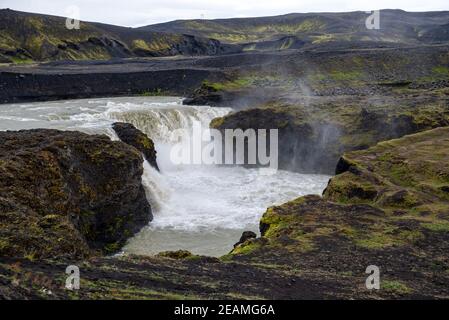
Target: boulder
247 235
68 194
136 138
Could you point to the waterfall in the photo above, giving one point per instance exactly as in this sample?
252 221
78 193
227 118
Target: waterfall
200 208
160 123
156 189
111 134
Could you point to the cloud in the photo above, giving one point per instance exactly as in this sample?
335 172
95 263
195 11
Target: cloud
144 12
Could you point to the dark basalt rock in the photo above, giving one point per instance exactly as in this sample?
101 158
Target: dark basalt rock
237 98
55 86
247 235
3 59
313 137
68 194
303 146
204 97
343 165
136 138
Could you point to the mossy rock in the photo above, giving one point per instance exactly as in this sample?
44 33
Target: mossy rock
136 138
68 194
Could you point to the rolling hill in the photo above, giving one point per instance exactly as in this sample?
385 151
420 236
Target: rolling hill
26 37
396 26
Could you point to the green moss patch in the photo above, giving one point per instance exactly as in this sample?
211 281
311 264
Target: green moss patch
440 226
395 287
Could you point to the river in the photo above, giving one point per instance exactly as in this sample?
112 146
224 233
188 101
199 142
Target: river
200 208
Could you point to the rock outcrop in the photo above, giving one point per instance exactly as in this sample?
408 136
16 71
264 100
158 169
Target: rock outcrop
136 138
68 194
246 235
313 137
113 79
387 207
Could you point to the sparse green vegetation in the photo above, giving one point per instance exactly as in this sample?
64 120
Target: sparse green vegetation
441 70
437 226
387 237
395 287
230 85
154 93
246 248
345 75
20 60
323 38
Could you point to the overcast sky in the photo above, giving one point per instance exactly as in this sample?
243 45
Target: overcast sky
142 12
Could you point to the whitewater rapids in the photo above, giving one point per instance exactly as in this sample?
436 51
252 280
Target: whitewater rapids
200 208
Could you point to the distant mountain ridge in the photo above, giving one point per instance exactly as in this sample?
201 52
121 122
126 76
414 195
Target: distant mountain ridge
395 26
27 37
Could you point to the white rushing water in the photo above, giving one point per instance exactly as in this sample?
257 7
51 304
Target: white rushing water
201 208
